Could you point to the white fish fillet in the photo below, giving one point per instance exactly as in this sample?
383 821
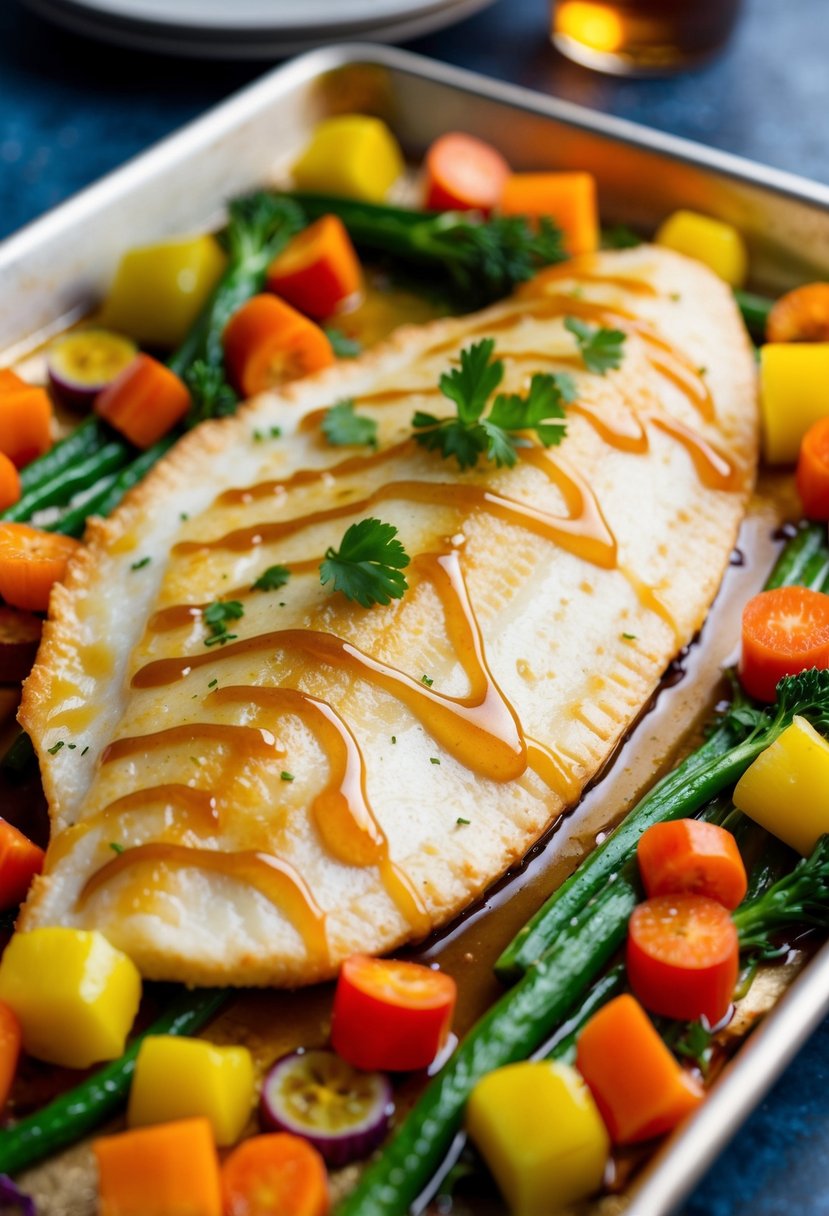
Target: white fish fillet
267 852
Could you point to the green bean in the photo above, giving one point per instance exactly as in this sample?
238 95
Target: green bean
806 545
84 440
755 310
112 489
66 484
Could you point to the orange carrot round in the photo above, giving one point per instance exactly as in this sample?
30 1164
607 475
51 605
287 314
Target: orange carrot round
11 1037
20 861
144 402
268 343
31 562
683 957
785 631
167 1170
464 174
813 471
25 420
801 315
569 199
318 270
688 856
9 483
275 1173
638 1086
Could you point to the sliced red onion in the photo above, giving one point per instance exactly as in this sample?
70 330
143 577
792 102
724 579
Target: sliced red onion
343 1112
82 363
12 1200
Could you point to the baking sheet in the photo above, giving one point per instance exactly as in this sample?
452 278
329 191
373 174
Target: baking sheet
57 269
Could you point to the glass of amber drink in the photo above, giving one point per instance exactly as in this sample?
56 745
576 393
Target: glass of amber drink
642 37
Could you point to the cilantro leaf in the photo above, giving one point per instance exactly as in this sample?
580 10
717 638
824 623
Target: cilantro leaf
342 427
600 348
472 384
367 566
217 615
542 410
272 579
342 346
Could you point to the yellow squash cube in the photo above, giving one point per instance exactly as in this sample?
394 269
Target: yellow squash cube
794 394
352 154
786 789
539 1131
75 995
719 245
178 1078
159 290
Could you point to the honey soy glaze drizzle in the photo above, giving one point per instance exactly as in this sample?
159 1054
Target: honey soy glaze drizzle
481 729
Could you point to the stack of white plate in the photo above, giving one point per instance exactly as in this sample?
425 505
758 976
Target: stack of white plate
252 28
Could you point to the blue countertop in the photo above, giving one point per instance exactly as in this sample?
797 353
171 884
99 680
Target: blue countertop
70 110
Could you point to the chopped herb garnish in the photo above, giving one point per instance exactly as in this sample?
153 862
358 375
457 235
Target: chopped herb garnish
141 563
676 296
434 760
471 434
53 751
271 432
427 680
702 371
343 428
367 566
286 776
183 516
71 746
620 237
272 579
210 393
85 750
459 820
343 346
600 348
216 617
629 637
394 738
116 848
213 683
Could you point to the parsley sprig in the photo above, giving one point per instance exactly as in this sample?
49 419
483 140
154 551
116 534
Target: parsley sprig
343 428
471 433
217 616
272 579
367 566
600 348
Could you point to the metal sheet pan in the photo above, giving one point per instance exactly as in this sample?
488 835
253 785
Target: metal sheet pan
57 268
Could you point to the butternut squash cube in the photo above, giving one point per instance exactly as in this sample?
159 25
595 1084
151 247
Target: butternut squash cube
179 1078
352 154
719 245
539 1131
75 995
794 394
786 789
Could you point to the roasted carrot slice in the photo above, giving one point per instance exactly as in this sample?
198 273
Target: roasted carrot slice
801 315
688 856
31 562
144 402
318 270
25 420
683 957
813 471
10 381
20 860
168 1170
276 1173
9 482
464 174
268 343
785 631
11 1036
569 199
638 1086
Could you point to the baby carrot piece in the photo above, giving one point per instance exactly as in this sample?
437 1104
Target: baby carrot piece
275 1173
144 402
785 631
9 483
569 199
464 174
268 343
813 471
318 270
801 315
638 1086
20 860
10 381
683 957
25 420
692 857
168 1170
11 1036
31 562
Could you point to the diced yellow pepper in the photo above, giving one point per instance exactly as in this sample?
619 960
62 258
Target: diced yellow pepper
794 394
719 245
159 290
178 1078
786 789
352 155
540 1133
75 995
